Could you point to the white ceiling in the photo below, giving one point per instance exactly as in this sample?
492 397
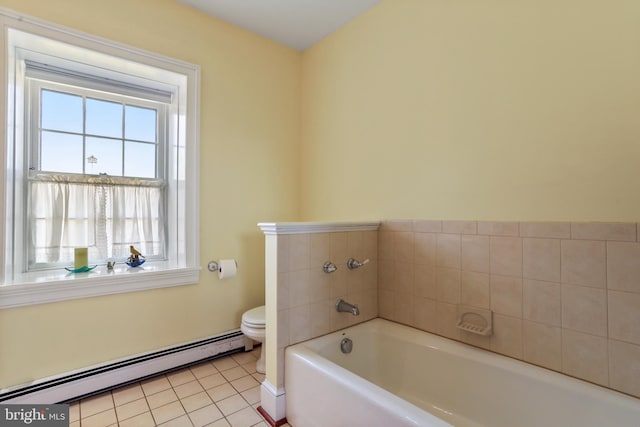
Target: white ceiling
295 23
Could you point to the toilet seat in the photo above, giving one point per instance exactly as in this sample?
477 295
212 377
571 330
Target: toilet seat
254 318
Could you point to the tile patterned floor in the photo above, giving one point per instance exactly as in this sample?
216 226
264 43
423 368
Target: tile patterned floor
221 393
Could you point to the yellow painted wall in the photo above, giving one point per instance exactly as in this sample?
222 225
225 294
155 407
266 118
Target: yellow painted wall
249 137
483 110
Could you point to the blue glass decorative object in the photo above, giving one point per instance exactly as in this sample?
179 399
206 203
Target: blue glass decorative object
134 262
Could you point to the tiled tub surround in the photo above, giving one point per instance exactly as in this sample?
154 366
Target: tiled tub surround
565 296
301 297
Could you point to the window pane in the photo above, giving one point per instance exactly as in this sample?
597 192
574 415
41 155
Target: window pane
103 156
61 111
140 123
139 159
104 118
61 152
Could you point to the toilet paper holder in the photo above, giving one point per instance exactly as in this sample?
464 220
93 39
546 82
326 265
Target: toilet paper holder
216 266
213 266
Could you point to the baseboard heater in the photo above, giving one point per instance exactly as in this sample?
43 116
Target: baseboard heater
97 379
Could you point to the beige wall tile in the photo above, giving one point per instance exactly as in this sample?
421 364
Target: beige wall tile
624 367
320 316
546 230
299 324
499 228
396 225
283 328
624 316
584 262
299 288
299 252
425 248
370 276
448 285
279 378
385 245
475 340
338 251
424 282
604 231
541 302
369 308
385 274
584 309
507 336
370 244
319 249
459 227
355 281
385 304
283 253
475 254
319 285
283 291
585 356
402 308
623 266
542 345
338 283
448 250
424 314
403 277
427 226
506 256
541 259
475 289
506 295
355 245
446 320
403 246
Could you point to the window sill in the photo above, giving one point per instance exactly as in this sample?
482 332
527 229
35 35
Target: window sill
56 285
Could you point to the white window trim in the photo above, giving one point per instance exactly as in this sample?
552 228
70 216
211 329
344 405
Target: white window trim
21 289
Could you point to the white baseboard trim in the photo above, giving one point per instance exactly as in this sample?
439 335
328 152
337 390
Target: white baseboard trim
273 400
73 385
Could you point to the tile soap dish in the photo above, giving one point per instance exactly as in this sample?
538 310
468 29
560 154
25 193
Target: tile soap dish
476 321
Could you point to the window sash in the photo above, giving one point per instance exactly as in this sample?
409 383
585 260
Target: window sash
34 88
107 217
52 73
101 222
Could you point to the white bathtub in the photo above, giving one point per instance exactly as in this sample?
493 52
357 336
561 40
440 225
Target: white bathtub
399 376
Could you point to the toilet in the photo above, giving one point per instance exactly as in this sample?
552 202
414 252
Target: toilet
253 326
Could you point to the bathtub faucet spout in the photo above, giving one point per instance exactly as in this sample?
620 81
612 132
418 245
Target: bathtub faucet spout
344 307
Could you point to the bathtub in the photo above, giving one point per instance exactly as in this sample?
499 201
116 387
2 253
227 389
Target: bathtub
399 376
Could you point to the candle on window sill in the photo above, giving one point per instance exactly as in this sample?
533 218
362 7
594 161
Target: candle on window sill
80 257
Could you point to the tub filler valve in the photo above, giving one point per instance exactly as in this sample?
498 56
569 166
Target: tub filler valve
344 307
352 264
329 267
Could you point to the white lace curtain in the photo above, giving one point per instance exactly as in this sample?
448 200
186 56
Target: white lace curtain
104 214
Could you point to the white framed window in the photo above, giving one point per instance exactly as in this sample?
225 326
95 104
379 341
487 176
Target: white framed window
101 152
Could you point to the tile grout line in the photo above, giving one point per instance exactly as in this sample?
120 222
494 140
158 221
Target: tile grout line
145 395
